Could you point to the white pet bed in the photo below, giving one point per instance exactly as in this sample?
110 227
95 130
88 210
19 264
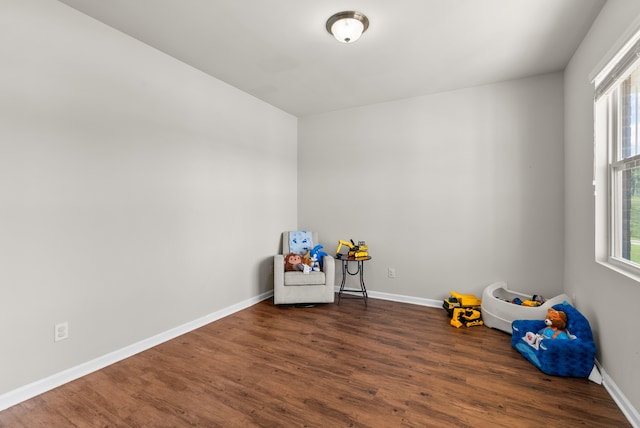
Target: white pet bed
498 312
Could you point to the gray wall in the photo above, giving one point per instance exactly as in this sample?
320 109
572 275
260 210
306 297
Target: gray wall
136 193
608 299
454 190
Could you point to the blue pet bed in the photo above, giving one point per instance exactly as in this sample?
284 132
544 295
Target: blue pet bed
559 357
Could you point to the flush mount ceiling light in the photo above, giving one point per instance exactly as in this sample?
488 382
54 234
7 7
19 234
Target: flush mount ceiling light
347 27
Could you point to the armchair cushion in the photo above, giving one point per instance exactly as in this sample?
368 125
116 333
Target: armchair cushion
299 278
574 357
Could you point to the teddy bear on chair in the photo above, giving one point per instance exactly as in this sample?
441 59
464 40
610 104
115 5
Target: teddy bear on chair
556 323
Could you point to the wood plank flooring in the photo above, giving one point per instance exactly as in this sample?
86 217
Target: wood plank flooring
387 365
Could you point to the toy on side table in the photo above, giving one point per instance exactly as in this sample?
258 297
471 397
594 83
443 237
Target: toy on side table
556 323
357 251
464 309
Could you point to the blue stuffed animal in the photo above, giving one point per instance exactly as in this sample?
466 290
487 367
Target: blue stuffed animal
316 256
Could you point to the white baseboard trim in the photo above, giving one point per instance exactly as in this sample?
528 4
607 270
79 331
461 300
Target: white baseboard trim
31 390
405 299
401 298
625 406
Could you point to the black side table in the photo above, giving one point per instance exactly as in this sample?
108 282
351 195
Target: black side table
360 271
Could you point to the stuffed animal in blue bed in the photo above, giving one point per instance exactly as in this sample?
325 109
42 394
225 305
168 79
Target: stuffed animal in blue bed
556 328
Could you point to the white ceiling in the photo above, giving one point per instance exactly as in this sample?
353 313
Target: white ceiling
279 50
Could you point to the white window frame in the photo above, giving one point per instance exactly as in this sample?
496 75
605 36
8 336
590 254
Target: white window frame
608 162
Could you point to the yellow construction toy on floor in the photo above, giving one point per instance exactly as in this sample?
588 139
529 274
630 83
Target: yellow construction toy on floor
464 309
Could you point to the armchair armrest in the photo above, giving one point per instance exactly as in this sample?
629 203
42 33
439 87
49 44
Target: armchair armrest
564 348
329 268
573 357
278 270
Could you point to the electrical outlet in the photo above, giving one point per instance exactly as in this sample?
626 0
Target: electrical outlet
392 272
61 331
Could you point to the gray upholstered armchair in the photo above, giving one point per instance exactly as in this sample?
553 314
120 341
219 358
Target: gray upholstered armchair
298 287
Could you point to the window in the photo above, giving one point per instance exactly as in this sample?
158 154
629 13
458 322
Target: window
617 161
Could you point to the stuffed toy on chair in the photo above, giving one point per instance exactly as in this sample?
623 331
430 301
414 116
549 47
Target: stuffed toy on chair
556 323
313 258
294 262
317 254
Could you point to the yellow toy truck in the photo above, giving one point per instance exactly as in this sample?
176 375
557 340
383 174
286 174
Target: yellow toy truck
464 309
357 251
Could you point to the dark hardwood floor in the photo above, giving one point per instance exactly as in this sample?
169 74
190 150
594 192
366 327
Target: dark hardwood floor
388 365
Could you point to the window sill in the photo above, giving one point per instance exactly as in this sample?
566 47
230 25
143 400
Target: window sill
621 268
